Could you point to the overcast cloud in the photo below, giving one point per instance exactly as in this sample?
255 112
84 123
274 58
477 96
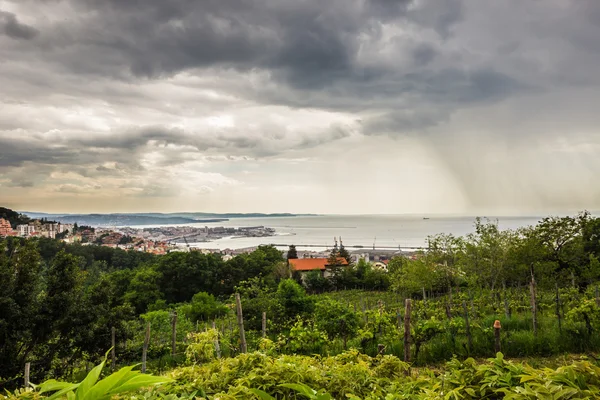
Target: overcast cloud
343 106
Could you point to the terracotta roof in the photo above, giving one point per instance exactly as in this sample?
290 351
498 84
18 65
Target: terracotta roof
309 264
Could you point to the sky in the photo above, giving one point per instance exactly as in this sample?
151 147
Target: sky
305 106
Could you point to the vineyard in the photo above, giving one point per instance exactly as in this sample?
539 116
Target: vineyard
373 322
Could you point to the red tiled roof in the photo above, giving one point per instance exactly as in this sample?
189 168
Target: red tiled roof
310 264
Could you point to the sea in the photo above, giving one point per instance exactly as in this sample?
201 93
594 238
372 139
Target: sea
317 233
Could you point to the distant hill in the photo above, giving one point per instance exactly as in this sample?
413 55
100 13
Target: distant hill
121 219
131 219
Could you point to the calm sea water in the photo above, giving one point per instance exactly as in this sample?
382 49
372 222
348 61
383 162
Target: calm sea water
394 230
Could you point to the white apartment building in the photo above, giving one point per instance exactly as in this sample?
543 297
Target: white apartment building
26 230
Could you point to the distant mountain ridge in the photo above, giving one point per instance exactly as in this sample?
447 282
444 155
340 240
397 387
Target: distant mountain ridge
125 219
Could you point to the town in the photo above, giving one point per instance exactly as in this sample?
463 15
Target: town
157 240
167 239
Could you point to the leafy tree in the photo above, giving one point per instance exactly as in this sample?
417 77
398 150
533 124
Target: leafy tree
418 274
293 299
20 299
144 289
337 319
258 296
315 282
203 307
562 240
184 274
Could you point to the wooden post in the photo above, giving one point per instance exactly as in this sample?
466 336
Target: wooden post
557 300
597 296
468 327
407 309
112 351
264 324
174 334
240 320
217 344
145 348
448 313
533 305
26 377
380 349
424 295
497 328
506 305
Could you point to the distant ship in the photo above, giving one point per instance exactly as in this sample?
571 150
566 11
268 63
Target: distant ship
425 217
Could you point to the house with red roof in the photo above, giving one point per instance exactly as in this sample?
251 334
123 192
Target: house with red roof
305 265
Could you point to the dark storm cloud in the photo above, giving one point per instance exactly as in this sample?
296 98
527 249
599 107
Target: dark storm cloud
15 152
307 44
11 27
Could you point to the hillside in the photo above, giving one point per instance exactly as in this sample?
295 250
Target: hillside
13 217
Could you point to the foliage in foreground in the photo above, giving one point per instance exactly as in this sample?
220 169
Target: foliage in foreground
123 381
357 376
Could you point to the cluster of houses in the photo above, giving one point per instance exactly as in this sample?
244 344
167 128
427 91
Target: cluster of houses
34 228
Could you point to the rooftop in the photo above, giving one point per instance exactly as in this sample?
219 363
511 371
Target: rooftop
310 264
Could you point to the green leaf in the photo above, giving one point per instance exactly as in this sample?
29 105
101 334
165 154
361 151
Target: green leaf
102 388
52 385
300 388
89 381
526 378
137 382
261 394
63 391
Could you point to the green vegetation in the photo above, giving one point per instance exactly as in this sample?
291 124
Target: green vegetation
58 303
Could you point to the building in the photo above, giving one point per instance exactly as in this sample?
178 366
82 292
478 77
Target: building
25 230
381 265
305 265
5 228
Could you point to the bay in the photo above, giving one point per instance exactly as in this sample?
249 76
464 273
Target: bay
393 231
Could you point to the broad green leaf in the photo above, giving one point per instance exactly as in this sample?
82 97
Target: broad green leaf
101 389
63 391
138 382
53 385
323 396
261 394
300 388
89 381
526 378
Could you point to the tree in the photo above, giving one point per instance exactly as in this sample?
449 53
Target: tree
315 282
293 299
337 319
203 307
144 289
292 253
20 299
343 253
